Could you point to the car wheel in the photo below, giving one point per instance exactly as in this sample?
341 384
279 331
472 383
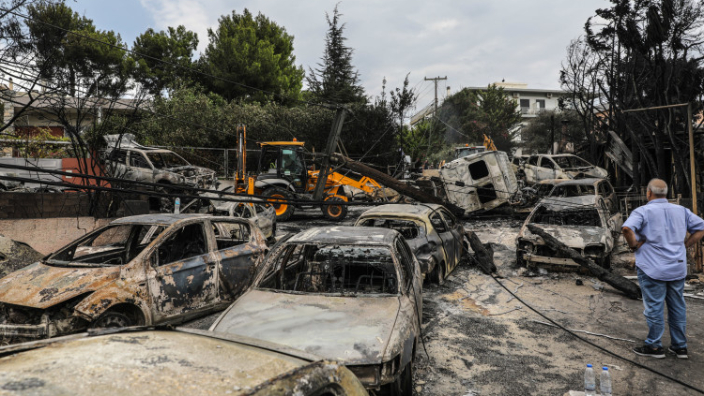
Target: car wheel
334 212
112 319
403 386
283 211
439 274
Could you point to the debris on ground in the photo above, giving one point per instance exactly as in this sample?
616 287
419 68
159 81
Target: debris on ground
15 255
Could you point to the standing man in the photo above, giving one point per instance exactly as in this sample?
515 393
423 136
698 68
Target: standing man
656 233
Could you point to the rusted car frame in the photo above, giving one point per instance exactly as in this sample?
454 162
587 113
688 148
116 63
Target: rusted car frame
434 234
183 361
352 293
583 223
148 269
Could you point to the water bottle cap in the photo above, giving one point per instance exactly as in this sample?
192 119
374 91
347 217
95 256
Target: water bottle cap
606 368
589 365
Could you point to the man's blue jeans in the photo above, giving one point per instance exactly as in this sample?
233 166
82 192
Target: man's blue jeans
655 294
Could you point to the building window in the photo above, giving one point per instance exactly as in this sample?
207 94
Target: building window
540 104
525 106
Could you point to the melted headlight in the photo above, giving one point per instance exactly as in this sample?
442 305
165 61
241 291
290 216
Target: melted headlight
368 375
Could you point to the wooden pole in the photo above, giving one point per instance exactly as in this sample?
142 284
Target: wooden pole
692 171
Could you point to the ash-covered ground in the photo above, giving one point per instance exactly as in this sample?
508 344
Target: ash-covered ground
480 340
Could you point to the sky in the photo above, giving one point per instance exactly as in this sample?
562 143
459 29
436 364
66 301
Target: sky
471 42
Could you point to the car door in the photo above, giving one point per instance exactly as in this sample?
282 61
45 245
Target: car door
411 301
117 163
457 231
607 192
237 253
182 275
446 237
547 169
140 168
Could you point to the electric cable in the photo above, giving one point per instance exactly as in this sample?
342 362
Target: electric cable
614 354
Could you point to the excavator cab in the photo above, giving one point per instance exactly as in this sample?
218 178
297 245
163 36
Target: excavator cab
283 162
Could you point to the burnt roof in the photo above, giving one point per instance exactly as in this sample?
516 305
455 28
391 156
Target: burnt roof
346 236
403 209
162 218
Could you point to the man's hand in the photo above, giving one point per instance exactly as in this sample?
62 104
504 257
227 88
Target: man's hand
631 240
693 238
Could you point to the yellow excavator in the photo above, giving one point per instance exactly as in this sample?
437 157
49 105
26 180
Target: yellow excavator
283 176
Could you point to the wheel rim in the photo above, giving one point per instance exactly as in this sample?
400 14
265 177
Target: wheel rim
279 208
113 321
334 210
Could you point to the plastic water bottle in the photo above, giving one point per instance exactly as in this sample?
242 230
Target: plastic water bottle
605 382
177 205
589 381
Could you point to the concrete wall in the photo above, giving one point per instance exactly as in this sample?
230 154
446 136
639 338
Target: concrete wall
48 235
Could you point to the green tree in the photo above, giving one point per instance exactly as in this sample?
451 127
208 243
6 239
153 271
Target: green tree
74 55
251 58
422 141
401 100
336 80
472 114
164 58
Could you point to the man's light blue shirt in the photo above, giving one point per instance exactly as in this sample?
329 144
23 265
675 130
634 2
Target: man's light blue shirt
663 226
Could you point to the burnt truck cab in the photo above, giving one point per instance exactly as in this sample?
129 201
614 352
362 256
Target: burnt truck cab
481 181
138 270
282 165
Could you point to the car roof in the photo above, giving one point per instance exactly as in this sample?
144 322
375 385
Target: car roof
126 363
161 218
580 182
570 203
346 236
402 210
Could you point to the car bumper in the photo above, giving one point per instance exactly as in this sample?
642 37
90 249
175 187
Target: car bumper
557 261
39 331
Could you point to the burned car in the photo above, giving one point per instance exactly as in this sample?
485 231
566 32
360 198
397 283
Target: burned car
126 159
138 270
184 361
261 212
599 187
582 223
434 234
351 294
560 166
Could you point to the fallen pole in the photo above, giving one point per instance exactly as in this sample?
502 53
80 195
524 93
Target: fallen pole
483 256
629 288
388 181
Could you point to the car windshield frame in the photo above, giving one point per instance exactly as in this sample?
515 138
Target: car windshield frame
573 162
160 159
294 254
567 216
137 238
422 232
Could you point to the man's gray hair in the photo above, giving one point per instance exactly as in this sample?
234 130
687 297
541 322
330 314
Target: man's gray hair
660 190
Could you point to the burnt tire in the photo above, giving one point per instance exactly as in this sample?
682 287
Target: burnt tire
284 211
439 274
112 320
334 212
403 386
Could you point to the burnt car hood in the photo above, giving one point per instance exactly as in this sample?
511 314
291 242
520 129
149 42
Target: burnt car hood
42 286
350 330
577 237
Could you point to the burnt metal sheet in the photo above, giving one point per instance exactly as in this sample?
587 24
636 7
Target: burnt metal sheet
146 363
43 286
351 330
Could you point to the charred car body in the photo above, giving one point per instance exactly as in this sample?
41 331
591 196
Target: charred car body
138 270
582 223
539 167
598 187
191 362
436 237
352 294
126 159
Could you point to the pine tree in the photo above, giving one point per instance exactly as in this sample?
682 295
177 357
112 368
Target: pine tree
336 80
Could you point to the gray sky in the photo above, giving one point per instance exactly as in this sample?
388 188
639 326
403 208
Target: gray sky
472 42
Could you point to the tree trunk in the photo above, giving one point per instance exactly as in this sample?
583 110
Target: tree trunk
629 288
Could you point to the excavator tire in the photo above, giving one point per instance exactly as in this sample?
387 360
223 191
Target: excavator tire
334 212
284 211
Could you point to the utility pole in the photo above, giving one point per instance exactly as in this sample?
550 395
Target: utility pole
435 80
